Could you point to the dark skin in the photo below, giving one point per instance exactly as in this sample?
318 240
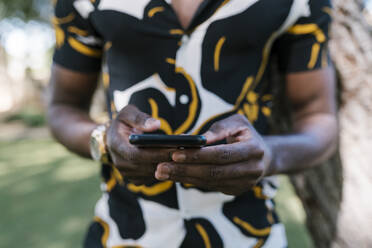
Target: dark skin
69 121
232 168
248 156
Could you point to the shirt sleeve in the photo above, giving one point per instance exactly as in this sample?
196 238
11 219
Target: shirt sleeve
304 46
78 46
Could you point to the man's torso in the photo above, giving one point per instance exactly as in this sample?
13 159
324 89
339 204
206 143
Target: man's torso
188 78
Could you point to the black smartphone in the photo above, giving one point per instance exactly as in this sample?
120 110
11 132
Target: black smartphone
167 141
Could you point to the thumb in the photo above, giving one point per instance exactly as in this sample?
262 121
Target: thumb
225 129
137 119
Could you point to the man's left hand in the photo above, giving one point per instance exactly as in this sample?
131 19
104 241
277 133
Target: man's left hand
232 168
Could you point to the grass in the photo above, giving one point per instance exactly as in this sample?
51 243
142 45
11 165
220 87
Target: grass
292 215
48 196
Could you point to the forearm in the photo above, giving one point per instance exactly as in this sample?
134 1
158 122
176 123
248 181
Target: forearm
72 127
313 141
70 99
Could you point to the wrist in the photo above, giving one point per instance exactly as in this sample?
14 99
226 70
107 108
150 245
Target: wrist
271 159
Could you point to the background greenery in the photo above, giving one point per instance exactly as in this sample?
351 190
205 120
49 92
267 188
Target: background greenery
29 9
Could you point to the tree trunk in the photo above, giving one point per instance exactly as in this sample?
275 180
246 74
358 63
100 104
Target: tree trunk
337 195
352 53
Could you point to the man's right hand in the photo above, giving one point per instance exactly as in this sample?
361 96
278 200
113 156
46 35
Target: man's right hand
69 120
137 165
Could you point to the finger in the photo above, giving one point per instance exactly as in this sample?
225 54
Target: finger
137 155
134 168
124 165
137 119
209 173
120 148
225 128
220 154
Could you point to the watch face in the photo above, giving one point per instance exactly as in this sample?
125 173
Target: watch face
94 149
97 143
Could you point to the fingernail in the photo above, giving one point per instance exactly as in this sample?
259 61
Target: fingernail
179 157
162 173
208 134
151 123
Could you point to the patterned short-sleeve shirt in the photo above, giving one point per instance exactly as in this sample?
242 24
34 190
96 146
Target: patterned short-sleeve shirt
188 79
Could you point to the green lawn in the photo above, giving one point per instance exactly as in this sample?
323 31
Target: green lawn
47 197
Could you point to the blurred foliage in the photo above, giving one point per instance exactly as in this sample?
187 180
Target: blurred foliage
25 9
31 117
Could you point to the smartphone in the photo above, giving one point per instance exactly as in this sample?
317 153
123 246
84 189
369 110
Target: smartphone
167 141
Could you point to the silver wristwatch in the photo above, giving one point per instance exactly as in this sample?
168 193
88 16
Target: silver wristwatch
98 148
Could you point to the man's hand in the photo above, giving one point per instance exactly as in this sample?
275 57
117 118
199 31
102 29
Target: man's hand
233 168
137 165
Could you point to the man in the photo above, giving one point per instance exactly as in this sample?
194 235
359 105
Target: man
192 67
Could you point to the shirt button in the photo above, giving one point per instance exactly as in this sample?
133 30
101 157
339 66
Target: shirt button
184 99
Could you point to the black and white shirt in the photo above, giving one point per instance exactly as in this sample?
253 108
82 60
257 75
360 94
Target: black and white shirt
189 79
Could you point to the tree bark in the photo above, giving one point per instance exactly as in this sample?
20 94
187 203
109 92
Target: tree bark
351 48
337 195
